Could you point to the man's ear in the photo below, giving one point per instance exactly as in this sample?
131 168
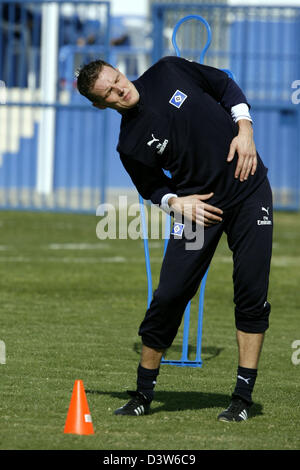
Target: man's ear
99 106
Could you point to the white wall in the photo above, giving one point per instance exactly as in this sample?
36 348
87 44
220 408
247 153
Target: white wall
129 7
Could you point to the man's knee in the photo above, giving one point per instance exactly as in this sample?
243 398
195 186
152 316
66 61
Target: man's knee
162 319
171 298
253 321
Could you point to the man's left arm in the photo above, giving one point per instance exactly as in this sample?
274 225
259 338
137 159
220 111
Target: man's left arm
225 90
243 144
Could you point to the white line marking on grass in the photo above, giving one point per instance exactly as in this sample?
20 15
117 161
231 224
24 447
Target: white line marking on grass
77 246
71 259
223 259
156 244
112 259
277 261
2 352
285 261
115 259
289 235
22 259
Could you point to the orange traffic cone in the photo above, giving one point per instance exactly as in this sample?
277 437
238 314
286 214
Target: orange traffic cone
79 420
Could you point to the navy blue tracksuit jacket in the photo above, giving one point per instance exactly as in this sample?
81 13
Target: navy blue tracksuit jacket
186 106
183 124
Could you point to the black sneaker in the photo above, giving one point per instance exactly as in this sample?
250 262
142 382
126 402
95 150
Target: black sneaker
137 406
238 410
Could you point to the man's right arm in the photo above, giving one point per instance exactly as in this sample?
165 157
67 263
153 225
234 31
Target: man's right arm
154 185
195 208
151 182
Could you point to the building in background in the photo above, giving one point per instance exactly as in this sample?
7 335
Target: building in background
197 2
57 152
192 36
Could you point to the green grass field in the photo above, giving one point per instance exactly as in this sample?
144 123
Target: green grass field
70 309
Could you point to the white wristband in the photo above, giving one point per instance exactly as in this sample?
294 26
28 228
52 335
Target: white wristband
164 202
240 111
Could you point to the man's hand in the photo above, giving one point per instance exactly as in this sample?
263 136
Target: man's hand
244 145
195 209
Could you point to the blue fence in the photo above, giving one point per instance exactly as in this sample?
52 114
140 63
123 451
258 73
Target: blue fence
44 160
57 152
261 46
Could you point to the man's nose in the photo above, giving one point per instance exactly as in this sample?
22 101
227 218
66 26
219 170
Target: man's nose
119 90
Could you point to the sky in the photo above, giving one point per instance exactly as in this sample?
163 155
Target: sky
129 7
139 7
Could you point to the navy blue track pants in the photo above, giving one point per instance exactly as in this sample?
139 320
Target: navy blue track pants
248 227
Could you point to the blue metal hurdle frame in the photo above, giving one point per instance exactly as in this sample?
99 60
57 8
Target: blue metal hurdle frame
184 361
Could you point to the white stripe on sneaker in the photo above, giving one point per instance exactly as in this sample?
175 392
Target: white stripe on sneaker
243 414
139 410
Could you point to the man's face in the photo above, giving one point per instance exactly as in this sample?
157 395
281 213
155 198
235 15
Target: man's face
114 90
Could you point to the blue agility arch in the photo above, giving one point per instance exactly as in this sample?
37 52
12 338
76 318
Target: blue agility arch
184 360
